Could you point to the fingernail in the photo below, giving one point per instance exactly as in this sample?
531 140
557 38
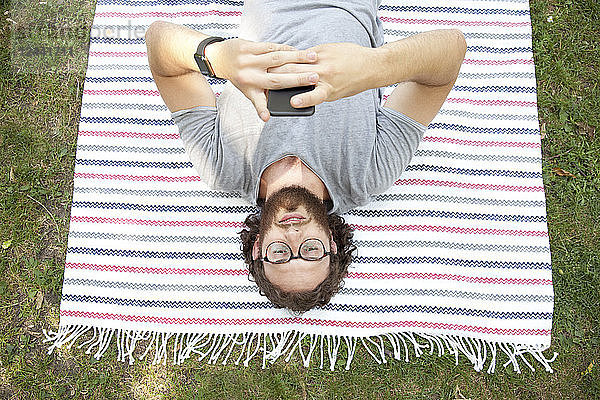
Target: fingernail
313 78
297 102
264 115
312 56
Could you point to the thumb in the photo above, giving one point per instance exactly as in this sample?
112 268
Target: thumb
259 99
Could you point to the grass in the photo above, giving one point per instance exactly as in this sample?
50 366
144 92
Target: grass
38 135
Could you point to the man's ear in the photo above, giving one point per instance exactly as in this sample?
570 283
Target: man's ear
256 249
333 245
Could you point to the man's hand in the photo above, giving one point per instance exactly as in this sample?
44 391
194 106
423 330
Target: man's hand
246 64
344 70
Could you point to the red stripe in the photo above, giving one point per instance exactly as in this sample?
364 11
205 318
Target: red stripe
158 271
123 92
497 62
118 54
461 278
129 221
508 103
449 22
481 143
172 14
449 229
462 185
143 135
302 321
138 178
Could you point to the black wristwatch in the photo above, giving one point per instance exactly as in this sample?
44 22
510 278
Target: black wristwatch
201 60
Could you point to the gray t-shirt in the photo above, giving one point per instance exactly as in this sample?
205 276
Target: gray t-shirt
355 146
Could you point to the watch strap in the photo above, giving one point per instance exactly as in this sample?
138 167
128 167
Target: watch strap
200 57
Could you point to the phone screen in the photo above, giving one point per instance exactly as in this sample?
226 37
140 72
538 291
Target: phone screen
278 102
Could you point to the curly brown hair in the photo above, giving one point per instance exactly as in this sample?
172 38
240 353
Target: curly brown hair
301 301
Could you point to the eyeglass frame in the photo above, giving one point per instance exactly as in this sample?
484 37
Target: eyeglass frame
293 257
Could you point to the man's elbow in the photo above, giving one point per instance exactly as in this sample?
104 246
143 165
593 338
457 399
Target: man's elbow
151 37
461 43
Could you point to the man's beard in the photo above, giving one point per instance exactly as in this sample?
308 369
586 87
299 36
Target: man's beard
289 199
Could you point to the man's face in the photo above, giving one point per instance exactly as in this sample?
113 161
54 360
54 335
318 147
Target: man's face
292 215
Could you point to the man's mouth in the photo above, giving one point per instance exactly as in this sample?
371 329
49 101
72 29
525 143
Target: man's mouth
292 218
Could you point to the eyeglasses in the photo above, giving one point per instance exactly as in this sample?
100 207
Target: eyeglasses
310 250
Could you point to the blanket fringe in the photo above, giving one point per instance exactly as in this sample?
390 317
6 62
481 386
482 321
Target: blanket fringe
271 346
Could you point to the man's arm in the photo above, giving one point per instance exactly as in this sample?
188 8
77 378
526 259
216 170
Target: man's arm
425 66
171 49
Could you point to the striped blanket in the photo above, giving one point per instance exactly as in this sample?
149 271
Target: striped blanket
454 258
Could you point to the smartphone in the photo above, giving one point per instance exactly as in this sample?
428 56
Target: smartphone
278 102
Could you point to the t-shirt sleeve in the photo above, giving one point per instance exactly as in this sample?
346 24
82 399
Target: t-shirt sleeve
199 131
396 141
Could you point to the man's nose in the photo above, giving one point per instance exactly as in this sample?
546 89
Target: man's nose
292 232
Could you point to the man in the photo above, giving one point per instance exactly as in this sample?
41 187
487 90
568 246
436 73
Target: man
303 171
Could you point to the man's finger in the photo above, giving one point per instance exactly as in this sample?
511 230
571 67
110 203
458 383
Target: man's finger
259 99
292 68
281 81
316 96
267 47
277 58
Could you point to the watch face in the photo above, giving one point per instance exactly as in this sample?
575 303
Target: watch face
201 61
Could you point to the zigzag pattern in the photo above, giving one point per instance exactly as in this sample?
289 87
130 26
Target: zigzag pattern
463 185
157 271
163 287
176 304
162 14
146 193
156 238
135 135
446 293
459 278
458 199
478 157
452 246
448 229
455 23
492 75
499 50
475 172
126 106
119 79
131 221
481 143
137 178
148 3
131 149
118 66
345 291
136 164
160 208
501 89
468 35
454 10
498 62
507 117
118 40
198 27
298 320
446 214
117 54
456 262
501 103
482 130
122 92
155 254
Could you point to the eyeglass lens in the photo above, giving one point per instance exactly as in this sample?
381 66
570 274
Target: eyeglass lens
311 249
